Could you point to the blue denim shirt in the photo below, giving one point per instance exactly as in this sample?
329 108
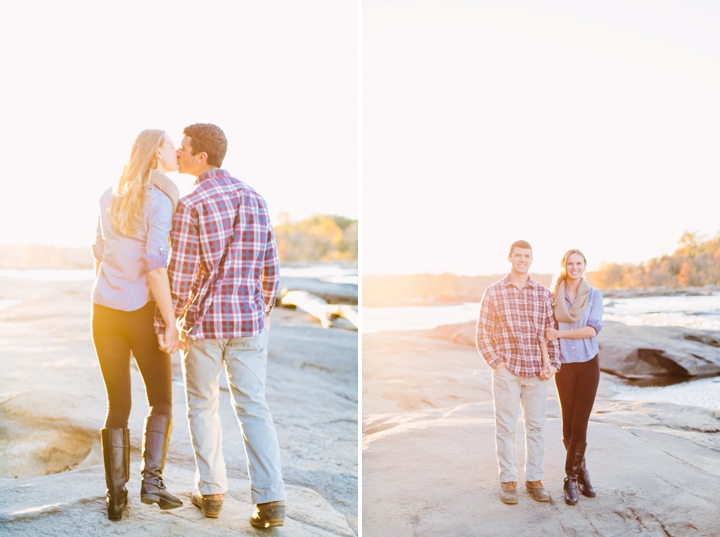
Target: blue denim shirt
124 260
582 350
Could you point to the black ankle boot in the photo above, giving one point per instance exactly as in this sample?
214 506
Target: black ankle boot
573 461
155 445
116 458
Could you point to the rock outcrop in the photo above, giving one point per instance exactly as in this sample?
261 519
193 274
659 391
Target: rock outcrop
334 293
635 352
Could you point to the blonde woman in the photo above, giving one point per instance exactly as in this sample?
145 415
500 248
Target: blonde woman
131 255
578 312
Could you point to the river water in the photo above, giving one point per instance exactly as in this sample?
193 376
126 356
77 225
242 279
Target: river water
700 312
328 272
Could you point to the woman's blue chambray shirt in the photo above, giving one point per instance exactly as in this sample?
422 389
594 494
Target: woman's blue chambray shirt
582 350
124 260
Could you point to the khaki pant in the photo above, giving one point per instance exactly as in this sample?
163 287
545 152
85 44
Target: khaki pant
245 361
509 393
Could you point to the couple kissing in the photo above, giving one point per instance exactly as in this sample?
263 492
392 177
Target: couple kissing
210 297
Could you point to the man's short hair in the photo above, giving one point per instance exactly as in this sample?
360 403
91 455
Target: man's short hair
517 244
210 139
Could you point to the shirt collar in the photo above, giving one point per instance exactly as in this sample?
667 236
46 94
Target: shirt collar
210 175
530 282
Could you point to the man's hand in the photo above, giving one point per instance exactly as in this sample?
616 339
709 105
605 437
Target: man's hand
170 341
552 334
548 372
500 366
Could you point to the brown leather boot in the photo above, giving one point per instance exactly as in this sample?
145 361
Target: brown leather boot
586 488
537 491
155 446
508 492
268 515
210 504
584 485
573 461
116 458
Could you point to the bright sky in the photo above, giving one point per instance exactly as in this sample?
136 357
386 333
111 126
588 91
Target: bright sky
80 79
590 125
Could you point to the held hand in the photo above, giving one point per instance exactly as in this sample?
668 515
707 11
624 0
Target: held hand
550 371
500 366
552 334
161 342
170 341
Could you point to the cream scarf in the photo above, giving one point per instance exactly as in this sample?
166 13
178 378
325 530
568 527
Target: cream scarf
578 307
166 185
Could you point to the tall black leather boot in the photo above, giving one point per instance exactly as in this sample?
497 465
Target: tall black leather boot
155 445
573 461
116 458
586 488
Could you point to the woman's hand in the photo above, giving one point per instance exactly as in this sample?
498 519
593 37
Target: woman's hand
552 334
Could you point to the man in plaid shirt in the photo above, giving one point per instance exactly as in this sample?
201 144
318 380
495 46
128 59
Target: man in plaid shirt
514 315
224 274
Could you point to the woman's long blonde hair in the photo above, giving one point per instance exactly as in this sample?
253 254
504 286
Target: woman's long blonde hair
562 276
128 201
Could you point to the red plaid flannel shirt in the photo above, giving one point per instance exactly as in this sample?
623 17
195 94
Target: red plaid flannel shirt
512 323
232 301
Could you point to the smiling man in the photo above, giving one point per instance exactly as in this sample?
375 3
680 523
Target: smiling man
514 315
224 274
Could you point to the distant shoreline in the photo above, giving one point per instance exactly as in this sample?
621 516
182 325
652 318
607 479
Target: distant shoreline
607 293
42 257
421 290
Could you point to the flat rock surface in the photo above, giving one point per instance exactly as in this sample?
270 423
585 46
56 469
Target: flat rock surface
429 464
53 403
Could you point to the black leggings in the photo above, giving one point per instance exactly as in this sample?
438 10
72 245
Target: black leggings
115 333
576 386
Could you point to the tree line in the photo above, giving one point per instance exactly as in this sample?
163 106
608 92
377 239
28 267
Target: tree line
695 263
320 237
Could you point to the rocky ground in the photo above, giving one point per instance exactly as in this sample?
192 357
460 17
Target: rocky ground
429 465
52 405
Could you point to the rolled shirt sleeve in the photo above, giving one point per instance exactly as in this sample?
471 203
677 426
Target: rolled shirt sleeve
270 275
553 346
98 248
159 224
596 311
485 332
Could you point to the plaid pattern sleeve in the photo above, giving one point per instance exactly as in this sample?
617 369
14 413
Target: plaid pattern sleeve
270 272
224 270
485 331
512 324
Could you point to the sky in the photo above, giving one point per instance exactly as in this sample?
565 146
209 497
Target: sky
590 125
80 79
